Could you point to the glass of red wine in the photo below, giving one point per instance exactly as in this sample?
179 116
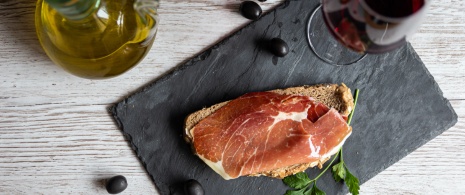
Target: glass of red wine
342 32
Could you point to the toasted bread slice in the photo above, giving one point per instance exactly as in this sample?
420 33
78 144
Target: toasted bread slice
334 96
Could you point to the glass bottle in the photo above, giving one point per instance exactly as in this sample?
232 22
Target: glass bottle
96 38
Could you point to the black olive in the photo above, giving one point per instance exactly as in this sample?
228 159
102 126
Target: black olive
116 184
278 47
193 187
250 10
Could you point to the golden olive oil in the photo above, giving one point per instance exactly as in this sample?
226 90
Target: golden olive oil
110 40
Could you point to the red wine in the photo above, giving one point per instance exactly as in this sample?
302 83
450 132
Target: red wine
373 26
395 8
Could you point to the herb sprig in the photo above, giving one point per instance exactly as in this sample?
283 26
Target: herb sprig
302 184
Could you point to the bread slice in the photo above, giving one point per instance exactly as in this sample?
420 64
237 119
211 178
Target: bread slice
334 96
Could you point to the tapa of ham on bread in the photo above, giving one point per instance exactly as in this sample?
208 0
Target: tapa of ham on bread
274 133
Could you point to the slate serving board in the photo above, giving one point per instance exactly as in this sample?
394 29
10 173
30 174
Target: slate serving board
400 106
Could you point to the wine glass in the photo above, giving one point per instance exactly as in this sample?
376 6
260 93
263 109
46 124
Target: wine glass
342 32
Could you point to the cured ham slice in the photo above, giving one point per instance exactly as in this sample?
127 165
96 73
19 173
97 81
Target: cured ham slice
264 131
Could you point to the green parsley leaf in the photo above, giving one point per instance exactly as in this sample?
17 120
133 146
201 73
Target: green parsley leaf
295 192
315 191
352 183
308 191
297 181
339 171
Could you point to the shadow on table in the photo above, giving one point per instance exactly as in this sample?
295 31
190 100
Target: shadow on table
205 52
18 27
99 183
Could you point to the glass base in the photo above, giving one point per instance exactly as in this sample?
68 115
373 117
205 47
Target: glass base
325 46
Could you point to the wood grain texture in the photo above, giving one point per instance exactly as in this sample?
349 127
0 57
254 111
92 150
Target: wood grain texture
56 135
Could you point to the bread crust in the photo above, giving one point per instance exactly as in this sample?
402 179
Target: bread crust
334 96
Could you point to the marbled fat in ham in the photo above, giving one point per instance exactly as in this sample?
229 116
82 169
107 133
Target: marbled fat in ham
263 131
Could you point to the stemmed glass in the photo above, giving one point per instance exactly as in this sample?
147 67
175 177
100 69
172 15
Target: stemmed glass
342 32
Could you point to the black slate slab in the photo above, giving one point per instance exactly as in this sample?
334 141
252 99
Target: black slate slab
400 106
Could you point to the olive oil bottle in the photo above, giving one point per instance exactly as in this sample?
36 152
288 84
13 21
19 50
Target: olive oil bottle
96 38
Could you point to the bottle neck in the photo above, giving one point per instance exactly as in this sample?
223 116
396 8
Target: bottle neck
74 9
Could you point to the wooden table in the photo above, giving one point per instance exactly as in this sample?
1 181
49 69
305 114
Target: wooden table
56 135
